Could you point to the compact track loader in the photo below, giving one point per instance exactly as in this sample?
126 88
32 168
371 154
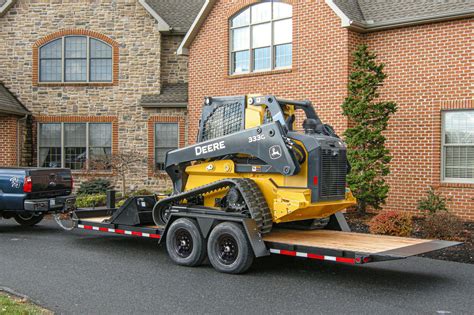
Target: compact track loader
249 159
246 190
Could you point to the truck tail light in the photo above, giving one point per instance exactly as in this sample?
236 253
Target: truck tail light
27 184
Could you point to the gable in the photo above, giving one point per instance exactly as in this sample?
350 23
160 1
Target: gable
368 15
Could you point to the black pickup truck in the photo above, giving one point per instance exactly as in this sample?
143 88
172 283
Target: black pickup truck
27 194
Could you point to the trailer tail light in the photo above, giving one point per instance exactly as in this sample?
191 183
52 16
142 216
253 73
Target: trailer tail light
315 180
27 184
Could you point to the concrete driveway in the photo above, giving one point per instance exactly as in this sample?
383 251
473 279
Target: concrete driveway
82 272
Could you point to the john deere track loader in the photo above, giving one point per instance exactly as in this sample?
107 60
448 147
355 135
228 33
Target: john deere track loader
249 159
247 187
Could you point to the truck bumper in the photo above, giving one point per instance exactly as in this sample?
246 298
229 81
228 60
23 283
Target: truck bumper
56 204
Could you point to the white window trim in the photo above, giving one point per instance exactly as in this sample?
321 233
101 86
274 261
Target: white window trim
63 61
154 141
250 49
443 154
63 148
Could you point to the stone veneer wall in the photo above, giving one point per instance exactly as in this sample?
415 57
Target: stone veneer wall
174 68
139 57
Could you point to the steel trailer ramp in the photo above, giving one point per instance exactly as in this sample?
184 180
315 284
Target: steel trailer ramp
348 247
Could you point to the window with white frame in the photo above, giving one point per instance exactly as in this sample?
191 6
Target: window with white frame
166 139
75 59
71 145
261 38
458 146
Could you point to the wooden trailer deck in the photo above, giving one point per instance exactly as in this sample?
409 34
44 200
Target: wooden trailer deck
345 247
344 241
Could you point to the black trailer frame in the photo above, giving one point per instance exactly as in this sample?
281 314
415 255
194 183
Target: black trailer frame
207 218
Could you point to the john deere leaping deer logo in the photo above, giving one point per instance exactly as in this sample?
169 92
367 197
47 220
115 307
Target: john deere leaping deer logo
275 152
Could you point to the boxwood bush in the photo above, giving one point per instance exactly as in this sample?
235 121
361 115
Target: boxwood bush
94 187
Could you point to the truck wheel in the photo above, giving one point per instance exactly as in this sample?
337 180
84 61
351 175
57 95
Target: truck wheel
28 219
228 248
185 244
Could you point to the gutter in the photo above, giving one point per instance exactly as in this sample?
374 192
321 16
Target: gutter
165 105
373 27
18 138
368 26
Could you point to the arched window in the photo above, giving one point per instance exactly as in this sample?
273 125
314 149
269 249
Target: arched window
75 59
261 38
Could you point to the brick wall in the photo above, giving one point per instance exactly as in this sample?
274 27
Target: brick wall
429 69
428 66
137 44
319 70
8 147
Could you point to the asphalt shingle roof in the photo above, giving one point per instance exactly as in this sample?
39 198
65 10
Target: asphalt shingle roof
377 12
172 95
179 14
9 104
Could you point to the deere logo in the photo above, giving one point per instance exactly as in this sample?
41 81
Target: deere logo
275 152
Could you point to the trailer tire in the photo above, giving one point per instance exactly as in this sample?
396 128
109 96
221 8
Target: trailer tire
228 248
28 219
185 244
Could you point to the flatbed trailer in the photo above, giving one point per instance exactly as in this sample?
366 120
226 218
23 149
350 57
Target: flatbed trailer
334 243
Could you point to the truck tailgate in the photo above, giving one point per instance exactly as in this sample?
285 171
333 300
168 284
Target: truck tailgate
361 248
50 182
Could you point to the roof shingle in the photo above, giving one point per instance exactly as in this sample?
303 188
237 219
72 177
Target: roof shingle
9 104
372 13
178 14
172 95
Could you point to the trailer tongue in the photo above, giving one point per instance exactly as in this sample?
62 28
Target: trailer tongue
133 219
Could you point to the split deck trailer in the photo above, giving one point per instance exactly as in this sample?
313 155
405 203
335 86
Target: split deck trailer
334 243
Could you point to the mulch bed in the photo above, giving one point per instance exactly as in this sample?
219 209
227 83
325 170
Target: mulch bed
463 253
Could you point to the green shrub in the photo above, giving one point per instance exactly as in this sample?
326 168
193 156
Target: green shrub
369 115
120 203
433 202
87 201
94 187
396 223
442 225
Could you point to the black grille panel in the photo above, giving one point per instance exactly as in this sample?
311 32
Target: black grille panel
333 174
225 119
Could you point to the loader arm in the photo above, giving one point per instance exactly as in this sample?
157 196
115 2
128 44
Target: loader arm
267 142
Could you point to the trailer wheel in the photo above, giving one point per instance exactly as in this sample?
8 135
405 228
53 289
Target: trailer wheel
185 244
28 219
228 248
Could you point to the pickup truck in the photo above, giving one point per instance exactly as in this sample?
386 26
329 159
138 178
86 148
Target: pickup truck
27 194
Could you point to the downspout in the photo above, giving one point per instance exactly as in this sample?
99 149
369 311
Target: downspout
18 138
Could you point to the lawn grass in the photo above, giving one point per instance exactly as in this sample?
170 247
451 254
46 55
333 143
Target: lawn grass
16 306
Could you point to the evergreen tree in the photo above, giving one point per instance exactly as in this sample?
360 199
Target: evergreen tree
368 118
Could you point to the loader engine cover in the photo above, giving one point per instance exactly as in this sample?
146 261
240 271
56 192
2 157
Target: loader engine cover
327 168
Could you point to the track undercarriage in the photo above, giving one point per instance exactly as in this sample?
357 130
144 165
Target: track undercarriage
243 196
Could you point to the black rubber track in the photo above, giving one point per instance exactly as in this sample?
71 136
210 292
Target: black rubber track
253 197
